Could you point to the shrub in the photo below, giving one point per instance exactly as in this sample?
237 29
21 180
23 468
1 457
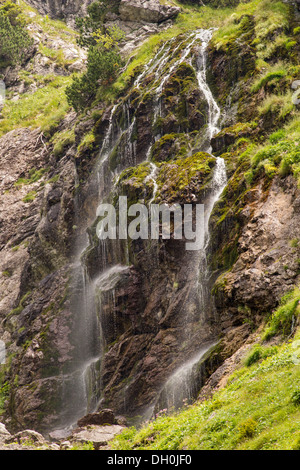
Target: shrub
247 428
296 397
14 39
104 62
91 23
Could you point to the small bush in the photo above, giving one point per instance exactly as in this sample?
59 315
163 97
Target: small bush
103 64
247 428
14 38
296 397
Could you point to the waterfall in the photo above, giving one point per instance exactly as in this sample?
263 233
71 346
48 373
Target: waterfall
184 384
95 287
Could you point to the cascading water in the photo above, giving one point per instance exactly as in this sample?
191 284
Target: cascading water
184 384
92 290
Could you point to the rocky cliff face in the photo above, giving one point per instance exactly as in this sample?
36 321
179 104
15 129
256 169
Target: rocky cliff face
129 10
61 9
147 312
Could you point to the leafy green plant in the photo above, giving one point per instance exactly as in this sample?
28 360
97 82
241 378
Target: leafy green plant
247 428
14 38
91 23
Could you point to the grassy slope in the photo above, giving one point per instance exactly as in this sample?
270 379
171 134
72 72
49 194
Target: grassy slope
47 106
259 408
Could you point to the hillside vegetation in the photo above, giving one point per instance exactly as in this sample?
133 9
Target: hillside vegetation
65 103
258 409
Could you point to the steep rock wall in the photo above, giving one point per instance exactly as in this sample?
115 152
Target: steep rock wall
252 259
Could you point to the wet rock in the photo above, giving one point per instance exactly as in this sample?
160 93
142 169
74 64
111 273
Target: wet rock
103 417
266 264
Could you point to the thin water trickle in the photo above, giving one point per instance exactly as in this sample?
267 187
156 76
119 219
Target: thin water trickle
181 387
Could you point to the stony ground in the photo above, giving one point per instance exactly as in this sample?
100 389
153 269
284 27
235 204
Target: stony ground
94 432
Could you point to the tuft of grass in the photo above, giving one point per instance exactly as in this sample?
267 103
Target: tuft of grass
272 74
62 140
280 153
282 320
280 106
34 176
259 352
29 197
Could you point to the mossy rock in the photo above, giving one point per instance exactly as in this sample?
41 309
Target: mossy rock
185 180
184 105
133 183
172 146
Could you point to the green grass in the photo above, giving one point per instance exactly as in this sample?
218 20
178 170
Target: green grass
62 140
34 176
269 17
191 19
280 153
271 75
55 55
259 408
54 28
45 108
283 318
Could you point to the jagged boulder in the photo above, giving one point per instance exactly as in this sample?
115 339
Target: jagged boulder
151 11
65 9
100 418
99 436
